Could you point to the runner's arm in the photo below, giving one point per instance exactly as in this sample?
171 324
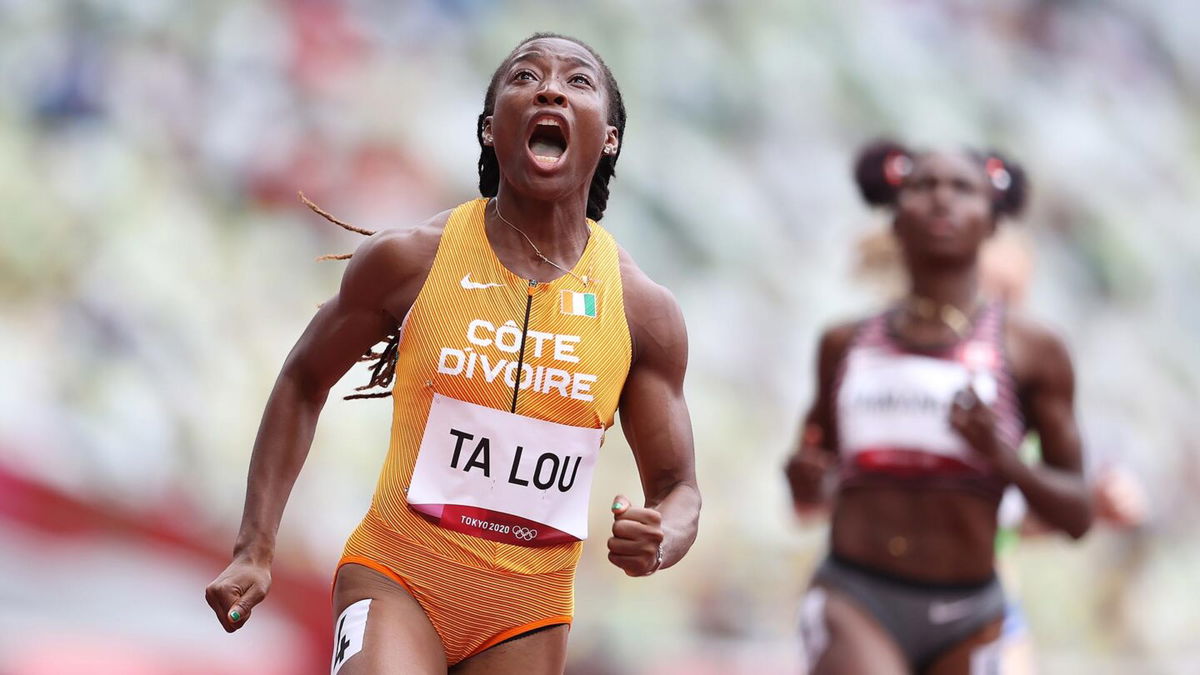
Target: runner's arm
1056 489
809 466
379 276
342 330
655 418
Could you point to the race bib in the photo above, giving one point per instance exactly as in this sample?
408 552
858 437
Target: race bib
504 477
894 410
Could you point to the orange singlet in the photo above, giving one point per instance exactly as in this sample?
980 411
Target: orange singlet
557 351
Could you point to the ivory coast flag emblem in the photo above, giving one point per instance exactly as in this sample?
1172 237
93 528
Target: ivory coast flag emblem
579 304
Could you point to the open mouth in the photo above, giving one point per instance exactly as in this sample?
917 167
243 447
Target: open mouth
548 141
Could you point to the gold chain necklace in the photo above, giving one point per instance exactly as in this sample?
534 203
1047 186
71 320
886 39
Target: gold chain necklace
583 280
924 308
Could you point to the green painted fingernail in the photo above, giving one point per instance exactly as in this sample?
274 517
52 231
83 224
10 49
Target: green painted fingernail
616 505
235 615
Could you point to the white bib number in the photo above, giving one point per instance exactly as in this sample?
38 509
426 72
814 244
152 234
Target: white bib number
504 477
891 402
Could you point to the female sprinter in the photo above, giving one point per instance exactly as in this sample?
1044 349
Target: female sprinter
524 329
921 410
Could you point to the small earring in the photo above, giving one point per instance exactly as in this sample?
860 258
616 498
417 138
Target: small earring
487 140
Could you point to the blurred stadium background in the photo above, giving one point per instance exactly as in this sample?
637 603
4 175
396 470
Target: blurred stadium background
155 267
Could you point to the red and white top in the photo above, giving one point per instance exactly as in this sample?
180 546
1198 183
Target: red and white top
893 407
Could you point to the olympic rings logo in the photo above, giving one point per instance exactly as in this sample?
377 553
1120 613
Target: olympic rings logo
524 533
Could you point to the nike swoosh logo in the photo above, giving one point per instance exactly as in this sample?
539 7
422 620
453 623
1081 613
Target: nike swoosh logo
945 612
472 285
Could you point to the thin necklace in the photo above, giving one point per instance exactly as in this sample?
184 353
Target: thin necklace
583 280
953 317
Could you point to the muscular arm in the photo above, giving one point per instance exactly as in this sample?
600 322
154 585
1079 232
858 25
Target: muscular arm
340 332
1055 489
378 287
655 419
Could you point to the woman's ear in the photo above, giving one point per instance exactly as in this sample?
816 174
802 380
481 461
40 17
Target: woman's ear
486 133
612 142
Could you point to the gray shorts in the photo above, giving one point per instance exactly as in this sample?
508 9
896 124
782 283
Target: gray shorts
925 620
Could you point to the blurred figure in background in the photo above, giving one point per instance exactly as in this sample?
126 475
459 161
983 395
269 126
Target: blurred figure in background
515 328
922 410
1006 264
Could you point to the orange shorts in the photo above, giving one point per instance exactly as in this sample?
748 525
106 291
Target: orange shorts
473 609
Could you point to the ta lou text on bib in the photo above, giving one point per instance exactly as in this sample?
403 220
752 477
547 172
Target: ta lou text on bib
504 477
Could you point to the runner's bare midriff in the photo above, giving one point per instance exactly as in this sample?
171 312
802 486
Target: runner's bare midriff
936 536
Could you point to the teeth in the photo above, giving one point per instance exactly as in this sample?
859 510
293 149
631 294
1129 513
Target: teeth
549 122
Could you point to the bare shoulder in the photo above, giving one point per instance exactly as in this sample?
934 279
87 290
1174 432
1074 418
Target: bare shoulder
831 348
643 296
400 251
654 316
1038 353
389 268
835 339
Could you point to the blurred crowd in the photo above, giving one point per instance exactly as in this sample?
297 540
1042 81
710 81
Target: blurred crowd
156 266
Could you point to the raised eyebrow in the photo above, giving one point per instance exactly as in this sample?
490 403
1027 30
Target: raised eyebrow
580 61
577 60
527 55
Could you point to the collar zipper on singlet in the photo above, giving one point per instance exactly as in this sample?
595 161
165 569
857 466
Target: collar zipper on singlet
521 354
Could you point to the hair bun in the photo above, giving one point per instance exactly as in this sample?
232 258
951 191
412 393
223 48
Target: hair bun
1009 182
879 170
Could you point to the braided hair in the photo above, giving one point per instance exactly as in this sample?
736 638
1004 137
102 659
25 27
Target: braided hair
882 165
489 167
